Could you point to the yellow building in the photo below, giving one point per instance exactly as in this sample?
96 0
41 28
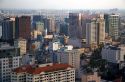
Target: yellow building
91 77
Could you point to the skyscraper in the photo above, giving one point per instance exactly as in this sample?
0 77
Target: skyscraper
23 27
49 23
40 27
16 27
90 34
64 28
106 17
113 26
0 31
75 26
100 29
84 21
36 18
8 29
95 31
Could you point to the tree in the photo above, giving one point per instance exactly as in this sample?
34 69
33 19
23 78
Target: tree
82 56
86 69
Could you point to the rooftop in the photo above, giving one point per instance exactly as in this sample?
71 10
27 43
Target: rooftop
112 47
6 46
37 70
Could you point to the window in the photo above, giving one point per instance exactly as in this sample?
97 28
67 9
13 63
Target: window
124 57
91 81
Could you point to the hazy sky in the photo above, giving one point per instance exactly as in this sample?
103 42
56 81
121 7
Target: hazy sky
62 4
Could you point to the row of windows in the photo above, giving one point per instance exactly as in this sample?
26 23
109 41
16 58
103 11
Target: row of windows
71 76
72 80
66 77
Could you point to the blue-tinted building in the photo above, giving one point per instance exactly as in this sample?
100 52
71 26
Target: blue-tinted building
64 28
8 29
17 27
36 18
106 17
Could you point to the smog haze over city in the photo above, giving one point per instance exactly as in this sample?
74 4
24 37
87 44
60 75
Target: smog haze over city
62 4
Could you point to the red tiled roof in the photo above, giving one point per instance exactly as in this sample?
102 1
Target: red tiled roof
22 69
38 70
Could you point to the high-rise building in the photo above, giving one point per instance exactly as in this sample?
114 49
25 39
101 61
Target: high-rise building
23 27
71 57
95 31
57 26
40 27
64 28
75 26
0 31
114 26
44 73
17 27
9 58
100 29
90 34
36 18
8 29
106 17
49 23
84 21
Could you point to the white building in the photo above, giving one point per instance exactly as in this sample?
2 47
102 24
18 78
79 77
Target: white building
90 34
113 54
9 59
69 47
71 57
44 73
21 43
6 65
95 31
55 45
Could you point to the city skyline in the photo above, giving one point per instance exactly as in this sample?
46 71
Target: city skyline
62 41
62 4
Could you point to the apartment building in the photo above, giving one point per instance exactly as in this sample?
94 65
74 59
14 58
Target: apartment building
71 57
113 54
6 65
44 73
9 59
